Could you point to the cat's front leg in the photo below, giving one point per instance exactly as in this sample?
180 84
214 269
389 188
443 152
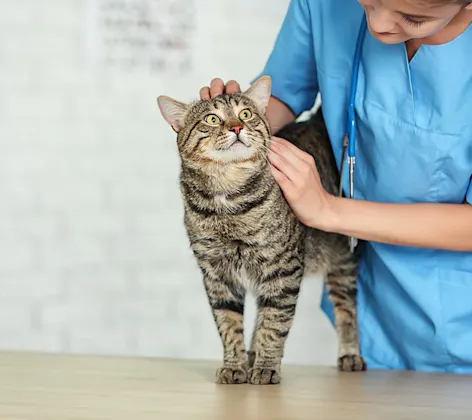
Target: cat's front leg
277 297
227 304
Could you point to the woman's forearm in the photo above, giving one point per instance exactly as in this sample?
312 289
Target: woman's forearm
278 114
429 225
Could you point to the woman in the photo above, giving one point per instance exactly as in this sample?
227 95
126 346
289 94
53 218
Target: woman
413 185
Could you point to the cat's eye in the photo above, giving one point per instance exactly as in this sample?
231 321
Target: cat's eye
245 114
213 119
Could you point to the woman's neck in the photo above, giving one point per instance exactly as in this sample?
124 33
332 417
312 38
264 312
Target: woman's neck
451 31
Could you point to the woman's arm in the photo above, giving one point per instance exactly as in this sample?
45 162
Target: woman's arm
429 225
278 114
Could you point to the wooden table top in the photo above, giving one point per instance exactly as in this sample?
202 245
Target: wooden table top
59 387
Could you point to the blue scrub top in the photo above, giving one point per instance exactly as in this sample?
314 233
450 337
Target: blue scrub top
414 145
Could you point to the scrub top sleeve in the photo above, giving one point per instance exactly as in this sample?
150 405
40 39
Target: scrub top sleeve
292 61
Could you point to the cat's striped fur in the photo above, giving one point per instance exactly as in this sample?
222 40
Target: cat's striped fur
245 236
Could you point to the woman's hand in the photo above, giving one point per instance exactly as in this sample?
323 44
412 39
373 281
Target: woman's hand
217 87
295 171
412 224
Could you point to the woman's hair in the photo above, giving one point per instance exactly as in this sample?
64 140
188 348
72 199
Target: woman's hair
440 3
444 2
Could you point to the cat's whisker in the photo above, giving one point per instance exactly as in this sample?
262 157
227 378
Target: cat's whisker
277 143
275 156
267 160
263 155
282 146
276 128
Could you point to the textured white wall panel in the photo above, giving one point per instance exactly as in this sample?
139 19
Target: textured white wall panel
93 253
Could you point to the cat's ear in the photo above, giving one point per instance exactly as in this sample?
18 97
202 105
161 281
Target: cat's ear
260 91
173 111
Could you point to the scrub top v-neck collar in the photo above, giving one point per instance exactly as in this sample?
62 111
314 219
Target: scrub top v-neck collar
434 72
385 75
419 84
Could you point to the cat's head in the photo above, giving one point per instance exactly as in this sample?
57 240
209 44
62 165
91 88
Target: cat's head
224 130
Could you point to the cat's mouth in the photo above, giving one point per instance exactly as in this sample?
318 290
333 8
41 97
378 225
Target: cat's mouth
237 143
234 150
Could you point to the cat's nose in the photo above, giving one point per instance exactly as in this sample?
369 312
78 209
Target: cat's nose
236 128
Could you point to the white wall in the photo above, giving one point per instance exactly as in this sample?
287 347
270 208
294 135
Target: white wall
93 254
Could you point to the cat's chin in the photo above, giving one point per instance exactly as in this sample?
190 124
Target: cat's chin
236 153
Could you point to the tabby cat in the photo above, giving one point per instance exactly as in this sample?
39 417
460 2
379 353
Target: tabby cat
245 236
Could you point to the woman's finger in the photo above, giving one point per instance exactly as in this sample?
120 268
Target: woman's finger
284 165
284 144
205 93
217 87
233 87
280 178
288 155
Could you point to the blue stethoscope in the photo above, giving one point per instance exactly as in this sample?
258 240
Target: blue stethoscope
350 136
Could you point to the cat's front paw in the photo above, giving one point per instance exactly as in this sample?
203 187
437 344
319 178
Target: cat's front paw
351 363
231 375
261 376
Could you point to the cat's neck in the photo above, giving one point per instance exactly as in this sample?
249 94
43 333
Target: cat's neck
218 179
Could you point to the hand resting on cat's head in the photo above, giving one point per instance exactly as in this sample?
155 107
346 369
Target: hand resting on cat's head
218 87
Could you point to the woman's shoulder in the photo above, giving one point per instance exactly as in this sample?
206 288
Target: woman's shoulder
334 28
335 11
335 21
